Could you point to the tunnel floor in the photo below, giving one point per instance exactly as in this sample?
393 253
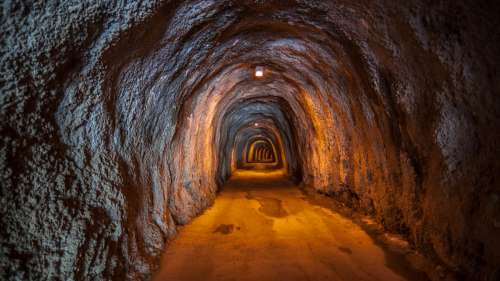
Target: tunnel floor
263 227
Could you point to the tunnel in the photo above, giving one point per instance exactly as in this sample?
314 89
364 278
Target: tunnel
250 140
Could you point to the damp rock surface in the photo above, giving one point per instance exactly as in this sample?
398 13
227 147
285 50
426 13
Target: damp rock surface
119 121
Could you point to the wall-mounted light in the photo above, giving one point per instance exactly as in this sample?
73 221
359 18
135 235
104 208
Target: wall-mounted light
256 124
259 71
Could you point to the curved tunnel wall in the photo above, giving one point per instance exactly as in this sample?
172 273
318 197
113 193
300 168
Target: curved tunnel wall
116 120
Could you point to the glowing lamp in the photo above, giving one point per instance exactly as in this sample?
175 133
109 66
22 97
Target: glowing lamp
259 71
256 124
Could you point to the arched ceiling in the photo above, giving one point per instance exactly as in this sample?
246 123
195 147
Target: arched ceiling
129 113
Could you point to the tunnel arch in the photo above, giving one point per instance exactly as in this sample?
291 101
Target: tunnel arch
261 150
119 118
359 94
255 146
270 114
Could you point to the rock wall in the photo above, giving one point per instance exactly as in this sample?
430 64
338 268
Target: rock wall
117 120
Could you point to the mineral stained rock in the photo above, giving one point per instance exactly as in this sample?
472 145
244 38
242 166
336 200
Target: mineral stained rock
120 119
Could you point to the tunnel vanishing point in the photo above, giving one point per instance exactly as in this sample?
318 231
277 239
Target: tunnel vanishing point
125 125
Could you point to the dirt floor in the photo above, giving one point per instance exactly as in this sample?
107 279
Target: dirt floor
263 227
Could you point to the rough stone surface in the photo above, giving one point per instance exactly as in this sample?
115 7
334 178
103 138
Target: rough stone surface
118 119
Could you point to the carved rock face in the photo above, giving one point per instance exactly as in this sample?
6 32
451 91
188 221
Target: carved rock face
120 120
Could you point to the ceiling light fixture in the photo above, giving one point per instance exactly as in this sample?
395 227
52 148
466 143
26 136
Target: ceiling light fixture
259 71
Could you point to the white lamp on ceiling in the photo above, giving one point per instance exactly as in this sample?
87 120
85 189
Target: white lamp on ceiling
259 71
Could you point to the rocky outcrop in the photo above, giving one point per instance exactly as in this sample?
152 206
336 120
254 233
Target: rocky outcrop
118 120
